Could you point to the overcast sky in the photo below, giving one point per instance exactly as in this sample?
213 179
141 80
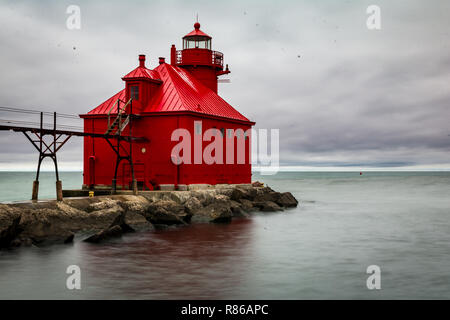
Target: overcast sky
342 95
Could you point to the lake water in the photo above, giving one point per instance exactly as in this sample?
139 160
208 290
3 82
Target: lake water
399 221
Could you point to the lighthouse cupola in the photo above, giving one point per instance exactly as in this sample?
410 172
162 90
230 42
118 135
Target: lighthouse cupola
198 58
141 85
197 39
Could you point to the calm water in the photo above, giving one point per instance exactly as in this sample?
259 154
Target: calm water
320 250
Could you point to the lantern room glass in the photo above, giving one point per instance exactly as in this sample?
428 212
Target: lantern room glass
197 43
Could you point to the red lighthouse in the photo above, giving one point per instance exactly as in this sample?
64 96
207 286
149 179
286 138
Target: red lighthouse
176 109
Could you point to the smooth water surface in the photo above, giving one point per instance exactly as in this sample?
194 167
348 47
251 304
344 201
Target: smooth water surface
320 250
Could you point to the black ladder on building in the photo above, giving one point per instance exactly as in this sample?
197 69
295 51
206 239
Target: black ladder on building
116 127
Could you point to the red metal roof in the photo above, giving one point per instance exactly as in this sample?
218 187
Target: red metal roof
142 73
180 91
106 106
197 32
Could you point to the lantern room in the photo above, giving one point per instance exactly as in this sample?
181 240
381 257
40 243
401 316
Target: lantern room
197 39
198 57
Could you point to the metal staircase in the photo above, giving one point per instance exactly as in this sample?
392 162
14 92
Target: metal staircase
116 127
122 119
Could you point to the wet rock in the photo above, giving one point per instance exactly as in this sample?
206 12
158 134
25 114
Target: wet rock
118 227
206 197
113 232
219 211
134 208
9 234
192 205
225 190
287 200
237 209
26 242
120 221
247 205
165 212
48 222
179 197
69 239
268 206
237 194
243 193
7 214
104 203
224 217
134 204
62 237
265 194
15 243
138 222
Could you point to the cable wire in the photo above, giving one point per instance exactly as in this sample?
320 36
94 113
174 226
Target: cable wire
29 111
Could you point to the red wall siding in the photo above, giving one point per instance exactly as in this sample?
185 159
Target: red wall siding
155 164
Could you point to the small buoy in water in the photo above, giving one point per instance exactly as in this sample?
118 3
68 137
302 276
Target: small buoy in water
360 173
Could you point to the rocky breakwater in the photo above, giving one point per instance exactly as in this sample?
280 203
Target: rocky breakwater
99 218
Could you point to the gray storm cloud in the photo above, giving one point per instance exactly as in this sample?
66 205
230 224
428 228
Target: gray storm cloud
340 94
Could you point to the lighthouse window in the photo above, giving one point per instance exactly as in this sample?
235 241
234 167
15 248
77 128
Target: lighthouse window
200 44
134 92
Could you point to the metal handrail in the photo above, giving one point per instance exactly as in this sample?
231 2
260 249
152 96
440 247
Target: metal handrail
216 57
119 112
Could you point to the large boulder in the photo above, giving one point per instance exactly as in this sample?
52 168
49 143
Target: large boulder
179 197
218 211
116 229
134 204
247 193
206 197
9 225
10 233
8 213
247 205
237 194
265 194
166 212
112 232
268 206
120 221
192 205
135 208
46 225
287 200
237 209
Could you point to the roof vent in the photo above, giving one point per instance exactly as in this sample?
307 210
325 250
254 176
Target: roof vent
162 60
142 60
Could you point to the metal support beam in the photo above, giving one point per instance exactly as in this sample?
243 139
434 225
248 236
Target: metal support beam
49 151
127 155
50 147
